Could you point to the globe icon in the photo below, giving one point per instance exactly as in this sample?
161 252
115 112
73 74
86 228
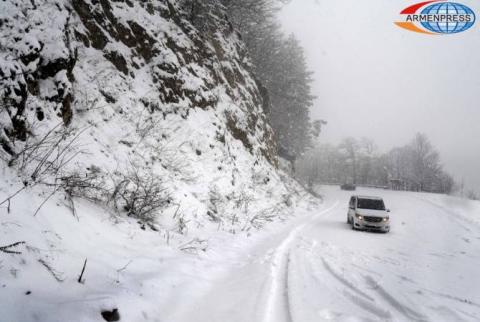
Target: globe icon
448 27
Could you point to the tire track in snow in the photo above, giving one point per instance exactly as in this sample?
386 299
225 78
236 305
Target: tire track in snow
408 312
278 303
351 292
344 281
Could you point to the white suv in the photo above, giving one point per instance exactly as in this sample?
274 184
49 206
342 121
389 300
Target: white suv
368 213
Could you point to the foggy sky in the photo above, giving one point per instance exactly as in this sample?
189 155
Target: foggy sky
376 80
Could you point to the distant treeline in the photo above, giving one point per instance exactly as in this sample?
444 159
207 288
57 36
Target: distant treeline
414 167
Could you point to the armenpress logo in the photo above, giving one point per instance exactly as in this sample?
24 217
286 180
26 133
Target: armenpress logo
437 18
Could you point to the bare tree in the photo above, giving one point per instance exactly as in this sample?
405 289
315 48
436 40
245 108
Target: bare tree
425 162
351 148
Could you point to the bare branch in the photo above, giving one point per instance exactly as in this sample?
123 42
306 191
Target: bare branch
81 274
7 248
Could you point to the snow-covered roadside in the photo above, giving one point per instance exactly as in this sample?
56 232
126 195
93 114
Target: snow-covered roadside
141 272
318 269
311 267
252 280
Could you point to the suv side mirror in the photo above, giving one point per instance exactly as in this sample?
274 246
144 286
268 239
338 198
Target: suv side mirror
388 210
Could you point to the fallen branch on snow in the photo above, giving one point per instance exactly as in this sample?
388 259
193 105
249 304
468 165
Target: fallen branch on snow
7 248
57 275
83 271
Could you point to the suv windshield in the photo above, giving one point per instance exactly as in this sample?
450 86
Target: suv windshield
376 204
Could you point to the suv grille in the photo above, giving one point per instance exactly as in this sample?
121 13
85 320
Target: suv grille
373 219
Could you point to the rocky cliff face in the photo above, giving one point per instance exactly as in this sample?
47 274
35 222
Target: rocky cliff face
142 87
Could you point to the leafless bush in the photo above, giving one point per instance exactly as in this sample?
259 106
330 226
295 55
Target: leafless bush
47 155
145 125
142 196
263 216
259 219
157 145
90 185
243 200
42 160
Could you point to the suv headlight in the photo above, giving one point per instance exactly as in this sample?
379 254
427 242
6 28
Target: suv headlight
359 217
386 219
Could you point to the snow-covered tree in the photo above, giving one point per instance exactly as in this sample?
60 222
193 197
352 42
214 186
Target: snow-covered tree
280 65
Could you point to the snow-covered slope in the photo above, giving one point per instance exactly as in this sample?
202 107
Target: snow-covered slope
131 138
144 93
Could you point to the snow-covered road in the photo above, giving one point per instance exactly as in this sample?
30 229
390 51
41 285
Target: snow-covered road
316 268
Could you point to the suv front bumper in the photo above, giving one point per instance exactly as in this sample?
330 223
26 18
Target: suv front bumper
365 225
